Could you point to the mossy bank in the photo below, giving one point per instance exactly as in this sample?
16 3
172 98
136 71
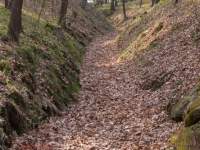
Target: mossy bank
39 75
187 110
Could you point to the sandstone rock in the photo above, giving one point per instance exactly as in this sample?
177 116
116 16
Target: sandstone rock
187 104
188 138
193 117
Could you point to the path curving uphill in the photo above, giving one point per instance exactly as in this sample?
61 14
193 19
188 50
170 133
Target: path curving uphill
112 112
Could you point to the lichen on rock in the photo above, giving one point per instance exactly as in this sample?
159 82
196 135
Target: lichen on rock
188 110
183 108
187 138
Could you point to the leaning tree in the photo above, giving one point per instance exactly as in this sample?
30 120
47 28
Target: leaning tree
124 10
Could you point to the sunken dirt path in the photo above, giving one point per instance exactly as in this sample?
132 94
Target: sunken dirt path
112 113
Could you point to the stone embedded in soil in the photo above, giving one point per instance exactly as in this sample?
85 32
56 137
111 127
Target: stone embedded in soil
183 107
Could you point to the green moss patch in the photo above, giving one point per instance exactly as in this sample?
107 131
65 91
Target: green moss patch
187 138
187 104
181 139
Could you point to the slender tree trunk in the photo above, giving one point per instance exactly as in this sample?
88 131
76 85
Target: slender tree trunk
106 1
157 1
43 4
124 10
152 3
15 25
84 2
140 3
112 6
8 4
101 2
52 5
116 4
63 12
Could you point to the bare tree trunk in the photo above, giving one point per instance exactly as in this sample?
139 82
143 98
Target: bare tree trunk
112 6
116 4
52 5
106 1
124 10
8 4
43 4
140 3
152 3
101 2
63 12
15 25
157 1
84 2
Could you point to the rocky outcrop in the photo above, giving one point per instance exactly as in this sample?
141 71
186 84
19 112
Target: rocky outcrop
154 83
187 110
187 138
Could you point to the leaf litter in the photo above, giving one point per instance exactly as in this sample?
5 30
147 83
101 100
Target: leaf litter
112 112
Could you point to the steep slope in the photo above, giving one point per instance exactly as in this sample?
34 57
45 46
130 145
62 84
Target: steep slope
127 79
111 111
114 110
164 46
40 74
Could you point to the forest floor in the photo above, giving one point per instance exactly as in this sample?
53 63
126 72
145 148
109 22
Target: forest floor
112 112
118 106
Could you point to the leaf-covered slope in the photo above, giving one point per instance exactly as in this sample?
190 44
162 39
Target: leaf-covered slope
164 44
166 39
40 75
112 112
